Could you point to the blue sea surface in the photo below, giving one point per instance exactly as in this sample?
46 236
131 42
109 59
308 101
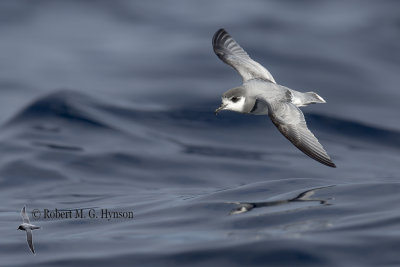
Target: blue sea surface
109 105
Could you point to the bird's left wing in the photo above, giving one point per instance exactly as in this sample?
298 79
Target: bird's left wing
24 215
291 123
230 52
29 239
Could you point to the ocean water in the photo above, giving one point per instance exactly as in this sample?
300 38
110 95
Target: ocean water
107 106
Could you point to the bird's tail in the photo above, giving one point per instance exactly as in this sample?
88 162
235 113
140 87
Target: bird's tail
312 98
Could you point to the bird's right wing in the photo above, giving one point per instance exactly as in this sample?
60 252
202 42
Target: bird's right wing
291 123
29 239
230 52
24 215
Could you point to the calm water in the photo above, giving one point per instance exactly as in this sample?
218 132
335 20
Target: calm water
109 105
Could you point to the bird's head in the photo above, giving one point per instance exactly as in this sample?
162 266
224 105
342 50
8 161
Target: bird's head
20 228
233 99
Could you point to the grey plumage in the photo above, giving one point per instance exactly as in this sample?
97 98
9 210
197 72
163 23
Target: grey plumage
261 95
29 239
27 227
230 52
24 216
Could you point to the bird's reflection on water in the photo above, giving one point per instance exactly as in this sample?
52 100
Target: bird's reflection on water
302 197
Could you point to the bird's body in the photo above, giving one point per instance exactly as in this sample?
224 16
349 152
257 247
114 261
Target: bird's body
27 227
261 95
258 89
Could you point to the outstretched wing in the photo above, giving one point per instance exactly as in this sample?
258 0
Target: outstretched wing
291 123
29 239
232 54
24 215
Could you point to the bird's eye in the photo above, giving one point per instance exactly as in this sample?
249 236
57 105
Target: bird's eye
235 99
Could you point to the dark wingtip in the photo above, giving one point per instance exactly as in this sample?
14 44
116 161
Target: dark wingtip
219 31
330 164
218 34
324 160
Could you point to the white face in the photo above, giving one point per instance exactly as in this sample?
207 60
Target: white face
234 103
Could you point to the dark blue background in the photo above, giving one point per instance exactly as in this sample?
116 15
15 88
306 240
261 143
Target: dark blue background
109 104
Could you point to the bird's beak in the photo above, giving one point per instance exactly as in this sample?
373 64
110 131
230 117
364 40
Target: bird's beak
220 108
